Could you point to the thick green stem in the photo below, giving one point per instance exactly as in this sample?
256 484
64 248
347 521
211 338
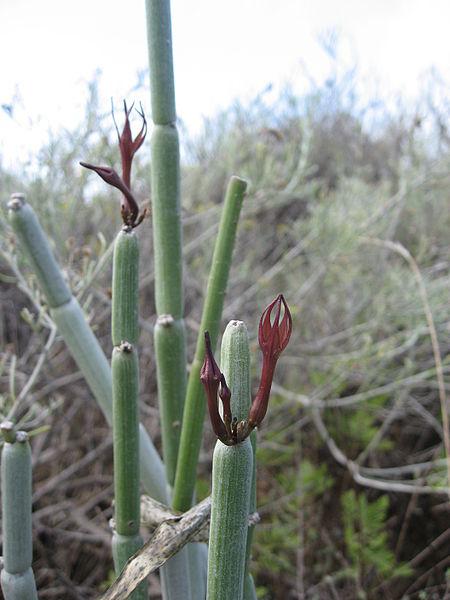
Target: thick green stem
232 478
17 578
170 360
194 410
125 384
126 440
170 337
235 365
125 387
159 35
38 252
235 361
166 218
126 538
125 288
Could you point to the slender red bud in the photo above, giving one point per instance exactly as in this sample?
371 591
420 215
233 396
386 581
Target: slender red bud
274 332
211 378
128 147
129 206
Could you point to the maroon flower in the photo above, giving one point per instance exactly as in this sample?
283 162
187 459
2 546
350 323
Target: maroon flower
129 207
275 329
128 147
212 378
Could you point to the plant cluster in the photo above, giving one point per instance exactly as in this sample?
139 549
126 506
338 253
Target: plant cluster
351 469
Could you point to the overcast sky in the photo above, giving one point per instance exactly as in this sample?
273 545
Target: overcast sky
222 50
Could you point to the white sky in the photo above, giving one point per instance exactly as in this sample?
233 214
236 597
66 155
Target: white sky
222 50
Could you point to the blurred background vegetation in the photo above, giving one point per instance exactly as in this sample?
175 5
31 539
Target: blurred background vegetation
355 417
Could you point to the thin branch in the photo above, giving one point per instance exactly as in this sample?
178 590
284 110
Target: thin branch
12 415
355 471
306 401
404 253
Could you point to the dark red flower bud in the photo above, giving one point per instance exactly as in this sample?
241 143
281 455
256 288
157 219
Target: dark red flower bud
274 334
211 378
128 147
275 329
129 206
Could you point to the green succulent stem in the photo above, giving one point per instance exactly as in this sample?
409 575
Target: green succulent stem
235 361
125 390
125 377
194 410
126 538
38 252
232 478
166 217
169 335
17 579
125 288
159 35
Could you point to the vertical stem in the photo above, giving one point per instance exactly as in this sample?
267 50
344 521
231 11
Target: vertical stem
194 410
17 579
232 478
126 539
125 389
231 481
237 374
159 34
125 289
169 336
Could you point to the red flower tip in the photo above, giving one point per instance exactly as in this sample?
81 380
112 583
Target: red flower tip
128 147
108 174
129 206
210 373
275 328
211 378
